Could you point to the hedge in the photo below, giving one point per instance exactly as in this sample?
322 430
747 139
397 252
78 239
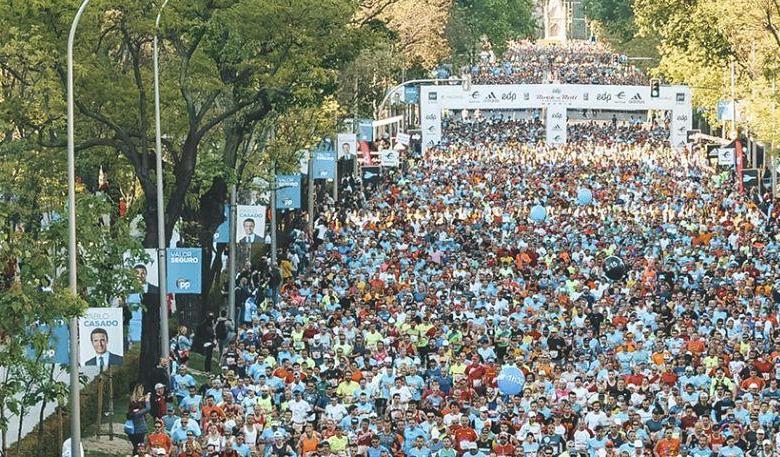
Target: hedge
51 446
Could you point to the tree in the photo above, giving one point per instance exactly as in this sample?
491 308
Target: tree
226 66
497 21
699 39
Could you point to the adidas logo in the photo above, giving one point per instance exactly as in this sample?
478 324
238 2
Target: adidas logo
636 98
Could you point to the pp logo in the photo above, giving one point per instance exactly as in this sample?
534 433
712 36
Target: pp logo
183 284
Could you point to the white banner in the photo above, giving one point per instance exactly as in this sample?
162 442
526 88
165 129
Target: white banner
435 99
726 157
403 138
555 125
389 158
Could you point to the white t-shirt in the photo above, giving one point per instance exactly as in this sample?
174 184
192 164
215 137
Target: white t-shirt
300 410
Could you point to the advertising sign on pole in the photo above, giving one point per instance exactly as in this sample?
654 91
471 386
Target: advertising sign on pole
101 342
184 270
288 191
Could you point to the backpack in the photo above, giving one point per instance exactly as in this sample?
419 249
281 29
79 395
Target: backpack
221 329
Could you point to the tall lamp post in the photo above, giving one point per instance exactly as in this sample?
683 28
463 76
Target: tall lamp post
161 264
75 410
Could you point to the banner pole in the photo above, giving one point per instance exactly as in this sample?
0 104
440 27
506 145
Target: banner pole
232 256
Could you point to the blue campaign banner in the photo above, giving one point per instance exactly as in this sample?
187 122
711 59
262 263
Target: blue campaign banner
366 130
412 95
135 325
58 347
288 191
184 270
223 231
325 164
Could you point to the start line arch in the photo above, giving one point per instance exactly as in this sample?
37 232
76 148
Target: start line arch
557 99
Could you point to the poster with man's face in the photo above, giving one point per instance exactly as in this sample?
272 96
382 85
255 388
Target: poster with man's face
347 145
250 224
101 338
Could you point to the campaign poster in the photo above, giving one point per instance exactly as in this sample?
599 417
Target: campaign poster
223 231
57 348
184 267
288 191
325 164
101 338
366 130
347 145
250 224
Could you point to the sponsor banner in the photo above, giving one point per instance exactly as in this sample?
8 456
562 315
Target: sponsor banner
346 145
434 99
101 341
403 138
250 224
370 174
726 157
184 270
288 191
750 179
389 158
324 164
555 125
57 348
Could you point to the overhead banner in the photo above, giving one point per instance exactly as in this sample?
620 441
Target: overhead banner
555 124
288 191
324 164
346 145
250 224
101 339
57 345
389 158
435 99
184 270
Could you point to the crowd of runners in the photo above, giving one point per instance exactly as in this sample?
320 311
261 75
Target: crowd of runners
387 337
577 62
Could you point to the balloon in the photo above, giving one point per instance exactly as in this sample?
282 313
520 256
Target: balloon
538 213
614 268
510 380
584 196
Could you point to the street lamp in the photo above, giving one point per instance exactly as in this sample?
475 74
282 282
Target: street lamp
161 265
75 410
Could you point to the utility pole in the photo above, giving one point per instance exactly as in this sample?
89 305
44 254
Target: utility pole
232 255
274 183
75 391
161 261
311 192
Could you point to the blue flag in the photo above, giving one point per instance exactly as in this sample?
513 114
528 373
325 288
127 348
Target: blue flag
58 350
325 164
288 191
184 270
